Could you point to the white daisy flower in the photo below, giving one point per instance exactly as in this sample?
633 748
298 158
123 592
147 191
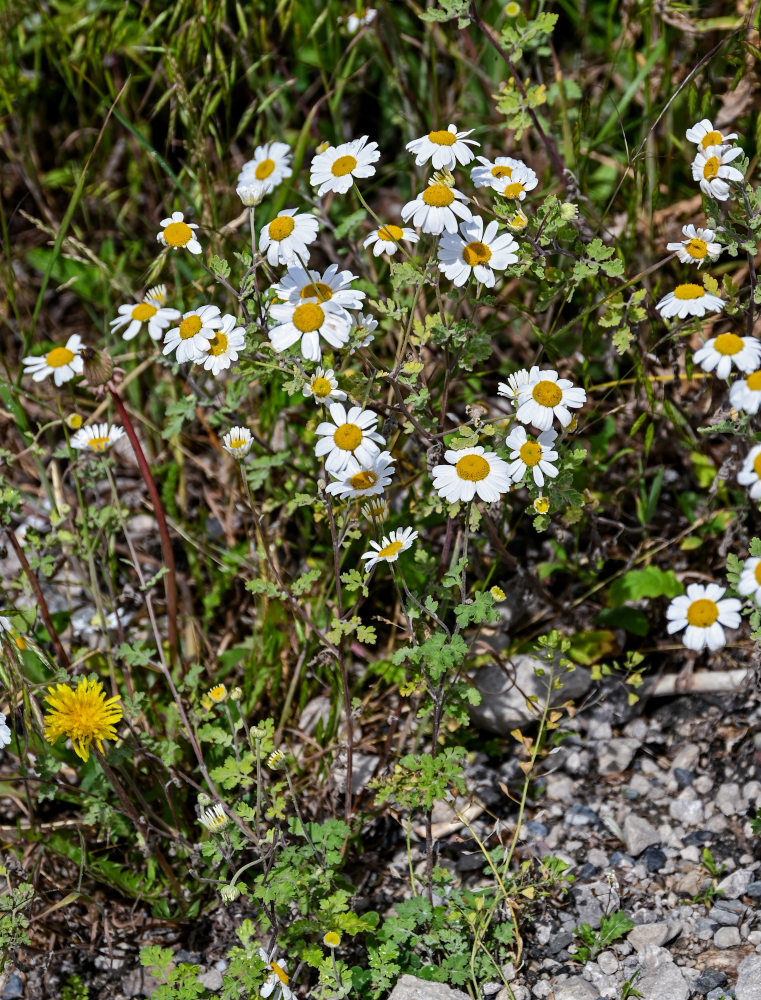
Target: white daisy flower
237 442
387 238
522 179
513 384
437 207
546 395
702 614
750 474
473 251
536 454
726 351
389 547
710 167
97 437
276 985
253 193
363 331
190 340
689 300
445 148
224 346
704 135
331 286
323 386
150 311
286 239
376 510
697 247
63 363
270 164
336 168
177 233
156 295
356 21
745 393
363 479
493 174
5 733
471 472
348 434
749 584
307 322
214 818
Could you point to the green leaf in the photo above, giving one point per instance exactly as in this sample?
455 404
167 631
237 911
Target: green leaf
640 583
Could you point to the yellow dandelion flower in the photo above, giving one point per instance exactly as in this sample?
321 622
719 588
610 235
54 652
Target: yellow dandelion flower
84 715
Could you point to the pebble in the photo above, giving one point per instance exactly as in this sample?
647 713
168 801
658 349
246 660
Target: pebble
608 963
749 979
411 988
690 853
708 980
650 934
726 937
575 988
594 899
736 884
639 834
753 889
752 793
663 981
542 990
654 859
703 784
684 778
14 988
211 980
727 912
718 994
687 808
697 838
686 758
729 800
559 941
579 815
617 755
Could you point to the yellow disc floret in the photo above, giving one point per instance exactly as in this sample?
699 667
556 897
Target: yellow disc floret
530 453
178 234
547 393
281 227
190 326
143 312
702 612
308 317
476 253
728 343
59 357
474 468
348 437
343 166
438 196
689 291
390 550
442 137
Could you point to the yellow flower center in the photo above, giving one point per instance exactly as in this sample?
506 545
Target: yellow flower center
343 166
280 973
218 344
363 480
177 234
390 233
332 940
390 550
476 253
689 291
711 169
317 290
190 326
513 190
442 137
59 357
547 393
757 465
541 505
728 343
143 312
753 381
237 443
218 693
347 437
99 443
321 387
281 227
308 317
264 169
711 139
696 248
702 612
530 453
501 171
437 195
474 468
757 573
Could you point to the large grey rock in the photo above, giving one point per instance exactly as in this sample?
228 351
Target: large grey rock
655 934
411 988
575 988
663 981
749 979
639 834
734 885
503 695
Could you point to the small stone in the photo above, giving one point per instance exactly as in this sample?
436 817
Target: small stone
684 778
690 853
654 859
212 980
608 963
575 988
617 755
537 830
580 815
14 988
686 758
619 858
703 784
748 985
729 799
593 900
697 838
649 934
639 834
490 989
687 808
718 994
708 980
727 912
752 793
560 941
726 937
542 989
663 981
753 889
411 988
560 788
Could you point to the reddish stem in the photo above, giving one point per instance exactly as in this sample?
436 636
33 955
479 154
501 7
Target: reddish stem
32 578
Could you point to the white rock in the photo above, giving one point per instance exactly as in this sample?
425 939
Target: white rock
729 800
734 885
639 834
575 988
411 988
687 808
608 963
663 981
617 755
749 979
727 937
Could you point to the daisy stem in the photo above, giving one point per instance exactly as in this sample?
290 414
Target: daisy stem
316 853
229 287
170 579
41 602
751 270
